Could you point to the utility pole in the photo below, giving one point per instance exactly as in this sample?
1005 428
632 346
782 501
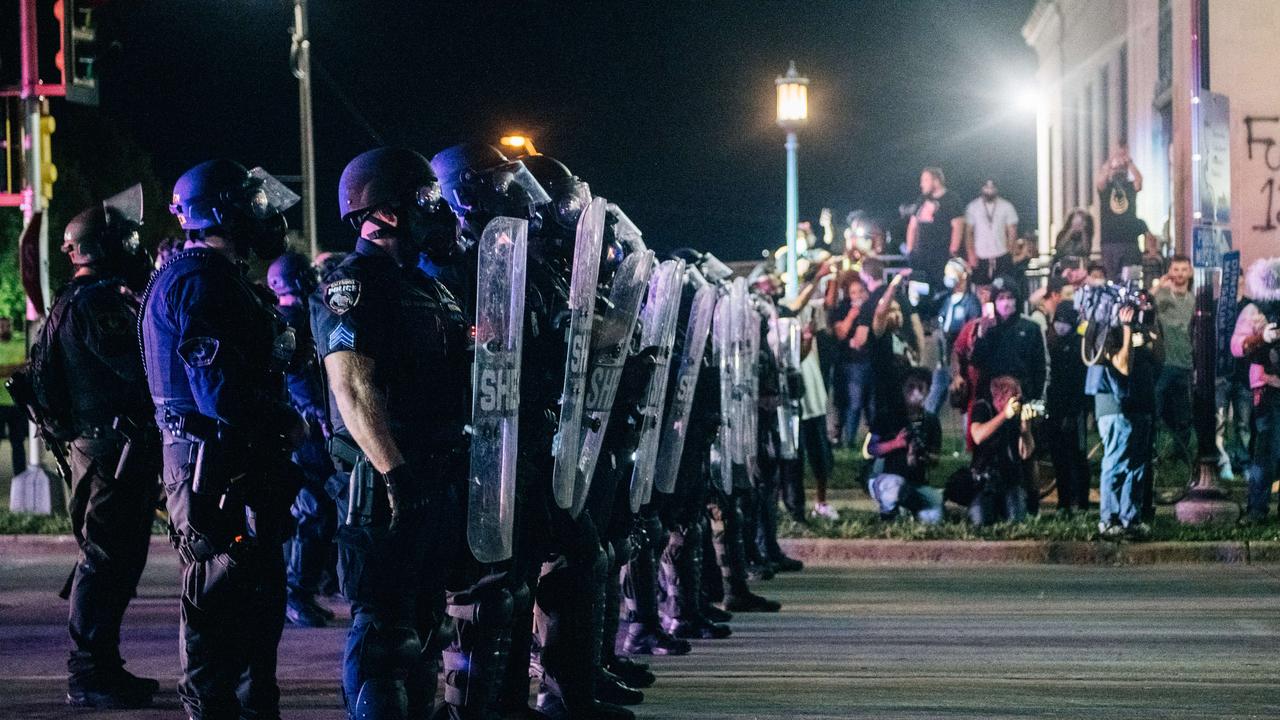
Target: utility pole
300 55
1205 500
31 490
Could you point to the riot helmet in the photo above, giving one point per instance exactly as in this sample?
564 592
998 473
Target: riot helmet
106 238
292 274
221 197
401 181
480 183
569 194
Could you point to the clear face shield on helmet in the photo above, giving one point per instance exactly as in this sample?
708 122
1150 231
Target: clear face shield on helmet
266 196
625 232
264 203
506 190
570 200
127 207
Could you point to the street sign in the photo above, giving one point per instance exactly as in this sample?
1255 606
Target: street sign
1208 243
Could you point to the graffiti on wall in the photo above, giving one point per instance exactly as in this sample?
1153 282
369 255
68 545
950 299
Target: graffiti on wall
1262 138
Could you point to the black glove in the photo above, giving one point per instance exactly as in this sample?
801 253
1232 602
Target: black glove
407 495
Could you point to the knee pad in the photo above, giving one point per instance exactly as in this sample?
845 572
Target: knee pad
381 699
489 606
386 652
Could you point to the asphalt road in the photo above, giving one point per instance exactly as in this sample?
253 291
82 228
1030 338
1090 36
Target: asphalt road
868 642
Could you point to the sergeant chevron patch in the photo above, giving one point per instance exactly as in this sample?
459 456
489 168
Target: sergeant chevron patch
342 338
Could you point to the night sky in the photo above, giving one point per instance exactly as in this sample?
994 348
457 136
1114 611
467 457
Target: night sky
664 107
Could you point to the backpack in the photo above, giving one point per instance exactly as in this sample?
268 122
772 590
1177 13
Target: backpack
44 375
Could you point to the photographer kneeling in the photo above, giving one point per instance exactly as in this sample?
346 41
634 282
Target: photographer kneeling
1001 432
905 442
1123 385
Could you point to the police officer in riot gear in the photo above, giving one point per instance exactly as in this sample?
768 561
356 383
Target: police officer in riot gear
293 279
480 184
105 413
683 513
214 352
394 347
570 623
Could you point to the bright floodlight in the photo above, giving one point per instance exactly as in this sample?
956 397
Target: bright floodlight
793 99
1026 99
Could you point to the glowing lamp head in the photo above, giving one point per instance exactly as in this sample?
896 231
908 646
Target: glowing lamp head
521 144
793 99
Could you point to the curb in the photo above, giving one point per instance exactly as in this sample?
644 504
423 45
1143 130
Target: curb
31 546
1036 552
827 552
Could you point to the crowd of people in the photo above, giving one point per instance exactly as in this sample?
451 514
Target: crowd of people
521 444
1102 341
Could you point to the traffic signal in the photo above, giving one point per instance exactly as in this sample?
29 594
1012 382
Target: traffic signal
79 52
48 171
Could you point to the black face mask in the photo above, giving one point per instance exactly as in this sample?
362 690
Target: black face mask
435 233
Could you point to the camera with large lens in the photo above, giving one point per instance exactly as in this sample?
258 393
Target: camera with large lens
1100 305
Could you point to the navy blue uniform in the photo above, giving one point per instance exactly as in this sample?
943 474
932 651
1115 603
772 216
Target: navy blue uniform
214 370
92 333
412 330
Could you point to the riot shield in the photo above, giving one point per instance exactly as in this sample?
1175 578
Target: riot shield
737 340
722 335
566 447
674 426
610 342
495 406
784 342
750 348
658 330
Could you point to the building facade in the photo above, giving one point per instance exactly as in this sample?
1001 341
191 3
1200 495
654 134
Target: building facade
1112 70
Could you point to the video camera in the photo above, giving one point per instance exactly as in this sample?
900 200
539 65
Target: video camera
1100 305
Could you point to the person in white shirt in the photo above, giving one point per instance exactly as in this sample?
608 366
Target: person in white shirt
991 229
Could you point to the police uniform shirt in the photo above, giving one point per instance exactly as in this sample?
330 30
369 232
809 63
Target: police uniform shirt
413 330
209 338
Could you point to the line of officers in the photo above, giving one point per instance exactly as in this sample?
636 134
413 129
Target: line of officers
478 401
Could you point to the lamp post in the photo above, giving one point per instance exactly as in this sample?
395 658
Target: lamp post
793 113
300 56
521 143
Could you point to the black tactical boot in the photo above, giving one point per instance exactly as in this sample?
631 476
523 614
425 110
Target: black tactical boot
748 602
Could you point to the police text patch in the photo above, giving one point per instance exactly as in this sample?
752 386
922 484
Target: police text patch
198 352
342 295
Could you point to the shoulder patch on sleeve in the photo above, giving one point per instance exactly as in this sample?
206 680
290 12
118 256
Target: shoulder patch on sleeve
198 352
342 338
341 295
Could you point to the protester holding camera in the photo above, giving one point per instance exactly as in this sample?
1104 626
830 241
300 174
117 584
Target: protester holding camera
1006 343
1122 383
1257 339
905 443
1000 427
1076 237
1119 182
853 368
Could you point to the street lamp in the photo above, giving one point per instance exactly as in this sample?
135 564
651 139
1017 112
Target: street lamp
793 113
522 143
